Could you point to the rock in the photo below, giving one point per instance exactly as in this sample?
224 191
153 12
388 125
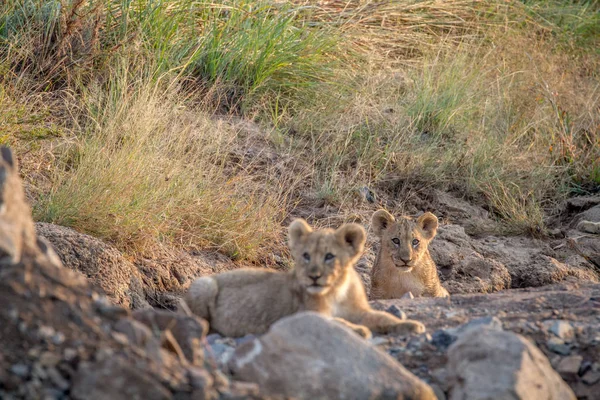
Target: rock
307 356
188 331
462 268
591 377
492 364
394 310
113 378
101 263
592 214
137 333
445 337
589 227
561 329
20 370
568 367
558 346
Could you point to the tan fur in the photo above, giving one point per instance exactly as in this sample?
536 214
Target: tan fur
405 266
246 301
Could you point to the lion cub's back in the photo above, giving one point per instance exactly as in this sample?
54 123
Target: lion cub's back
250 300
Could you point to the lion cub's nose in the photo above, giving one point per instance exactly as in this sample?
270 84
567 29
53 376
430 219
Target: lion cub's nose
314 276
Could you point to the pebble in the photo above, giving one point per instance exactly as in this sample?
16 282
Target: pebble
244 339
213 337
58 379
394 310
561 329
443 338
591 377
558 346
408 295
21 370
568 367
379 340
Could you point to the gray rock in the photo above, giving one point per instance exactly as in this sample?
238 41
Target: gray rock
558 346
568 367
113 378
591 377
562 329
394 310
307 356
20 370
445 337
490 364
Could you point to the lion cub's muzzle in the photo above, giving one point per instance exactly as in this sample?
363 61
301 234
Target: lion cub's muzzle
402 265
316 283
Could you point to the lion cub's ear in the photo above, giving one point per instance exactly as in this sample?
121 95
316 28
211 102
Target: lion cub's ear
428 224
298 229
354 236
380 221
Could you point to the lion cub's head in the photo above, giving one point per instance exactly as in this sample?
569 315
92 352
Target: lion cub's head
323 257
405 241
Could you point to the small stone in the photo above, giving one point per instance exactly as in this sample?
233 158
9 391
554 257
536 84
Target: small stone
49 359
568 367
558 346
442 339
562 329
408 295
244 339
21 370
58 338
585 367
591 377
69 354
489 322
46 332
379 340
221 352
52 394
394 310
212 338
58 380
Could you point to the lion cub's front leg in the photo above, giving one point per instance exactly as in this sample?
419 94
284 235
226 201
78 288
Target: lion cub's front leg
361 330
384 323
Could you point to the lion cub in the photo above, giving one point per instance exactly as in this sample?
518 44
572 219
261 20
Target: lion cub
403 263
244 301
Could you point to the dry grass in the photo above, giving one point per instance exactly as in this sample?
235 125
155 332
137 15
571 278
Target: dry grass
147 170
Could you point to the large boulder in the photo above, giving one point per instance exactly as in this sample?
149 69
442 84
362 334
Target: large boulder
308 356
486 364
101 263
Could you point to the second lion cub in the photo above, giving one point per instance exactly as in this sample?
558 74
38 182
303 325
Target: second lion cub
403 262
246 301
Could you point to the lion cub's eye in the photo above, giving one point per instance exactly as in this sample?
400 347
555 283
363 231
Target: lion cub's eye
415 242
329 257
306 257
396 241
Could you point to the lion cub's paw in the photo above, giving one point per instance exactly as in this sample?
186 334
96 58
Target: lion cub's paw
363 331
407 327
